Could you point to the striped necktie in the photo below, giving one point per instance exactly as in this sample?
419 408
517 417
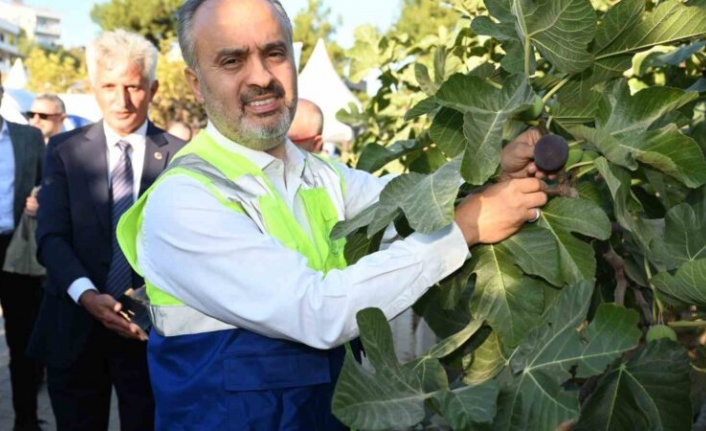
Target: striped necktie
121 192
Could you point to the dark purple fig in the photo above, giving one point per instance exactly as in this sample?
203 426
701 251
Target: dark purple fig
550 153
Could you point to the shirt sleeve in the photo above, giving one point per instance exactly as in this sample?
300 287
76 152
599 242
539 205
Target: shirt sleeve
218 262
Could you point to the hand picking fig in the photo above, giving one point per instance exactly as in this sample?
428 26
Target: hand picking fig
550 153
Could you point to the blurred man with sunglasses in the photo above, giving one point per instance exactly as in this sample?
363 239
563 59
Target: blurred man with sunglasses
47 114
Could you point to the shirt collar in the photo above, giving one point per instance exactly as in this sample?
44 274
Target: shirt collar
135 138
294 157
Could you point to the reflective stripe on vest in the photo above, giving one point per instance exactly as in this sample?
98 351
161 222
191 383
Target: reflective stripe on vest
240 185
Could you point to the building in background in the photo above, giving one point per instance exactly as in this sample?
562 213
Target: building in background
8 45
41 25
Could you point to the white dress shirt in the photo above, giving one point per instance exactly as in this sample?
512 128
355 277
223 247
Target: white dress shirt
7 181
137 140
217 261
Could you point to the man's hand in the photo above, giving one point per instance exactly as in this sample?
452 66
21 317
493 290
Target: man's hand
517 158
31 205
500 210
107 310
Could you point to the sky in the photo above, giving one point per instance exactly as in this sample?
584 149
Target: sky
78 28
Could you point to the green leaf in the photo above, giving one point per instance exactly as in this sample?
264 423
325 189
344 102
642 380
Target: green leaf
426 200
685 236
630 114
358 245
374 156
536 252
612 148
673 153
626 33
672 58
554 351
452 343
510 301
562 216
500 9
426 106
424 80
447 132
452 288
618 21
688 285
581 109
560 29
485 362
347 227
486 109
619 182
469 405
651 392
626 29
391 397
482 25
442 321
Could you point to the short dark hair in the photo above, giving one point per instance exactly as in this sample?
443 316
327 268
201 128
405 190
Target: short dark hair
185 24
53 98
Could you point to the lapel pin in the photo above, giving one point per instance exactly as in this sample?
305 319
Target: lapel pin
158 156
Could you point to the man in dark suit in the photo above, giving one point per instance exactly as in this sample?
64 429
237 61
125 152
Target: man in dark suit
21 152
91 175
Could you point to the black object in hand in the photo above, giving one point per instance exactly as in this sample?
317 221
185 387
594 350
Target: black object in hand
135 309
550 153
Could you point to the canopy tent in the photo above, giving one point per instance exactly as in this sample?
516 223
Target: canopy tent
320 83
15 101
17 76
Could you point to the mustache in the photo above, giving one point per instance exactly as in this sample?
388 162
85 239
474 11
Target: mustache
274 89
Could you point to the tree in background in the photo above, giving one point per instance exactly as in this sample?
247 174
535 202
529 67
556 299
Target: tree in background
420 18
174 100
154 19
59 71
312 24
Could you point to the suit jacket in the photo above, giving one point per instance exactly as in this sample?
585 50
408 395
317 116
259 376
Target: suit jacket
74 231
28 148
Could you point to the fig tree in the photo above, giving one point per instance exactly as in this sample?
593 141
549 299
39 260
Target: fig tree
550 153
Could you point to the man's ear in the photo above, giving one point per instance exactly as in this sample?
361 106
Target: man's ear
193 79
154 88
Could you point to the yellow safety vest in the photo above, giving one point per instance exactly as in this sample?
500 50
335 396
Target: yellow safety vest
242 186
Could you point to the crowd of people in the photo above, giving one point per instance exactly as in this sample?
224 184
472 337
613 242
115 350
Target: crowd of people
250 300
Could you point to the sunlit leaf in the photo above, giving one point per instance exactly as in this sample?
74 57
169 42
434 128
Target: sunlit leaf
485 362
688 285
560 29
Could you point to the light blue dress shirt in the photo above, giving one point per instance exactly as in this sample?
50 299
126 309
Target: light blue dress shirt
7 181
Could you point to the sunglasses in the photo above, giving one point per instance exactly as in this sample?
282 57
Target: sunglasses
41 115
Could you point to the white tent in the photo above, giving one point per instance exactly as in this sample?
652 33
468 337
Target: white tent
14 102
17 77
320 83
